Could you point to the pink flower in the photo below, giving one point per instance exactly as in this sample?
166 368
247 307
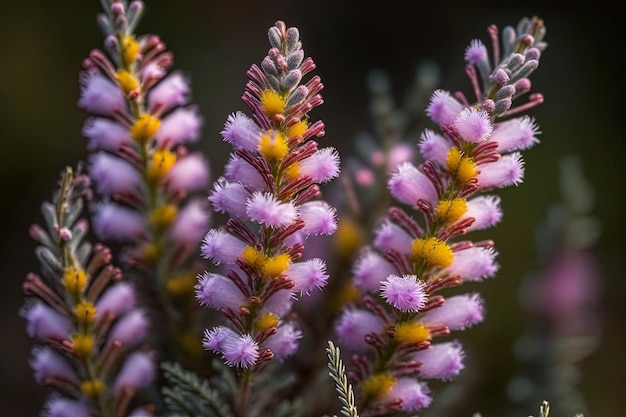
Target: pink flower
440 361
408 184
443 108
458 312
406 293
241 132
265 208
473 125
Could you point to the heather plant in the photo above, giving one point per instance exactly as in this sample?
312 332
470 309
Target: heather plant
268 311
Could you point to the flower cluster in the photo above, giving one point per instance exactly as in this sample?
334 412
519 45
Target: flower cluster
84 318
476 150
141 168
269 192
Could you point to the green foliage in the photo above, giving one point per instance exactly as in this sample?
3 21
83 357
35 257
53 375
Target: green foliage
190 395
338 374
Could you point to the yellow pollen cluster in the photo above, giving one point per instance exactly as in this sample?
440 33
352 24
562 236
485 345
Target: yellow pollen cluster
130 49
181 285
144 128
449 211
127 81
161 163
433 252
92 387
348 237
266 321
85 312
163 216
460 166
273 145
253 257
412 333
82 344
293 171
272 103
297 129
75 280
151 252
378 385
275 266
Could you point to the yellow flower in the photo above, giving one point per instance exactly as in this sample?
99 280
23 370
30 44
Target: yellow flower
272 103
144 128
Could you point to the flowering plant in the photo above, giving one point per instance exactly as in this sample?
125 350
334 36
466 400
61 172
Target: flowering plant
240 335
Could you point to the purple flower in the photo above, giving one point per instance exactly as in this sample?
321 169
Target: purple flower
169 92
130 329
474 264
44 322
105 134
354 324
217 291
509 170
63 407
137 372
440 361
191 223
518 133
319 218
237 350
99 95
117 299
265 208
415 395
285 342
221 246
434 147
406 293
391 236
443 108
322 166
180 126
485 210
308 275
239 170
227 197
241 132
46 363
113 175
114 222
369 270
473 125
458 312
476 52
408 184
190 173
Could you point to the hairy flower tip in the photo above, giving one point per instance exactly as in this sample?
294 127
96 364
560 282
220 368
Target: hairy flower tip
218 292
391 236
319 218
226 197
434 147
322 166
354 324
130 329
405 293
285 342
440 361
485 210
114 222
239 170
189 173
508 170
370 270
183 125
43 322
280 303
105 134
63 407
476 52
169 92
46 363
474 264
220 246
408 184
414 395
473 125
191 223
443 108
308 275
99 95
237 350
264 208
137 372
241 132
117 299
518 133
458 312
113 175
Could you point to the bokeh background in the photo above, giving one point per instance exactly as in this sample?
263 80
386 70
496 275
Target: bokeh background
581 76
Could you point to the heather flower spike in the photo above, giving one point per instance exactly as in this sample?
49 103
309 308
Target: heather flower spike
141 122
270 192
88 330
476 149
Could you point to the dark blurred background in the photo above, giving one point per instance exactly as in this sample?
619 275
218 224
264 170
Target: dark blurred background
581 76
